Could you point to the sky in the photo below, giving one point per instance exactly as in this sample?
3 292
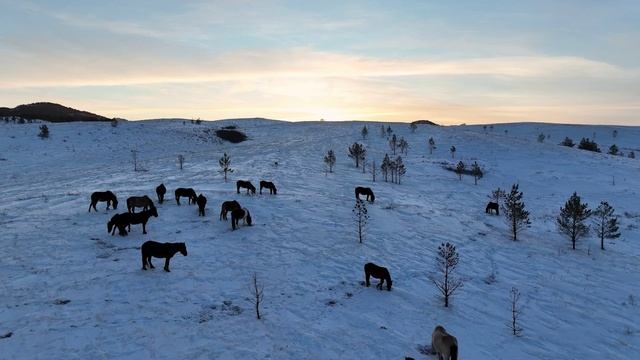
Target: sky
450 62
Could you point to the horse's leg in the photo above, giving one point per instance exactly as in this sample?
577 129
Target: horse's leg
144 264
90 207
379 286
166 264
366 279
149 261
144 227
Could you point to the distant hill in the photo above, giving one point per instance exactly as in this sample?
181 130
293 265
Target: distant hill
424 122
50 112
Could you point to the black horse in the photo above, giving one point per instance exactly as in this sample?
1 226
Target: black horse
186 192
492 206
378 272
119 221
202 202
160 250
240 214
365 191
107 196
228 206
268 185
127 219
160 191
143 202
246 185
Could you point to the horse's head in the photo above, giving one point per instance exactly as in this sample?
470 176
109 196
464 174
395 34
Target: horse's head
153 211
275 191
389 284
373 197
182 248
114 202
109 226
248 219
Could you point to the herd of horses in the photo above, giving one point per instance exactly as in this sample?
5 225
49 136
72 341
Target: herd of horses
443 344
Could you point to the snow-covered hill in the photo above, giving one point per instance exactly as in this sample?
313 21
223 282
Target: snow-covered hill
582 304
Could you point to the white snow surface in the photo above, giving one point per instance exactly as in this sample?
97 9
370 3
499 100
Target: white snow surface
582 304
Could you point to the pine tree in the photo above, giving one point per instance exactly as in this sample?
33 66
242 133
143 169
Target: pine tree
476 172
446 263
460 169
515 215
361 217
496 195
432 145
413 127
453 151
613 150
400 169
44 132
373 170
393 143
632 155
225 165
567 142
605 223
403 145
571 221
357 152
383 132
541 138
364 132
330 160
389 131
385 167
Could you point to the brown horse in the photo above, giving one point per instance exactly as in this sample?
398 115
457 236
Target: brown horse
365 191
268 185
378 272
160 250
143 202
107 196
245 185
160 191
444 344
492 206
228 206
186 192
202 202
240 214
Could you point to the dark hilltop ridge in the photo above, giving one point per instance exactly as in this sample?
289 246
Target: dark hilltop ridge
50 112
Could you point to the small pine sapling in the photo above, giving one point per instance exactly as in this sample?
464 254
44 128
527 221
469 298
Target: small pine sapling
225 165
516 311
400 169
476 172
515 215
460 169
393 143
453 151
444 279
257 294
44 132
413 127
361 217
357 152
364 132
330 160
432 145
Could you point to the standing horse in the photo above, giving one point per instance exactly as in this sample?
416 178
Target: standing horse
143 202
202 202
365 191
107 196
268 185
186 192
160 191
444 344
246 185
127 219
237 215
378 272
160 250
228 206
492 206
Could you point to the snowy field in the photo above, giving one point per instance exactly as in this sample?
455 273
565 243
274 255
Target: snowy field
69 290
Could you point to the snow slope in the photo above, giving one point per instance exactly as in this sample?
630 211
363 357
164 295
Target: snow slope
582 304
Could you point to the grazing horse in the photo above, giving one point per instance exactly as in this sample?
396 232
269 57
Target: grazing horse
127 219
160 250
107 196
160 191
268 185
444 344
202 202
378 272
492 206
237 215
246 185
143 202
365 191
186 192
228 206
118 221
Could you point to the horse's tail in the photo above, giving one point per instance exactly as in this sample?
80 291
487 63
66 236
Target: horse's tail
454 351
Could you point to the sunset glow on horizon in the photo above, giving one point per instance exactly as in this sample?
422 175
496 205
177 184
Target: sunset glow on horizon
468 62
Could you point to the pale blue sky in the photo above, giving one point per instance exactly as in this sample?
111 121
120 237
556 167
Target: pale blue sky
451 62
